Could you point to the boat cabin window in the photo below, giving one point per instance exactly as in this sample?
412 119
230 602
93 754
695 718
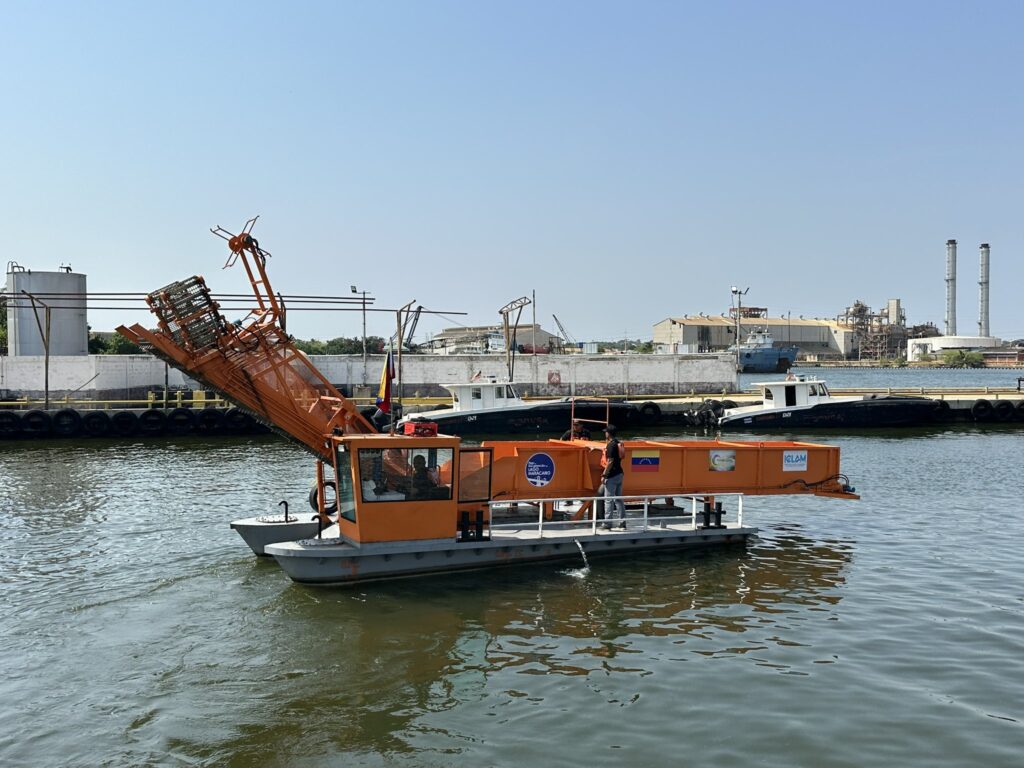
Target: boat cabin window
823 390
475 474
499 393
343 480
405 474
812 391
768 395
509 392
476 393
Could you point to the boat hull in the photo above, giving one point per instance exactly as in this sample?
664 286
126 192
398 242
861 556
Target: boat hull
540 418
336 562
260 532
773 360
879 412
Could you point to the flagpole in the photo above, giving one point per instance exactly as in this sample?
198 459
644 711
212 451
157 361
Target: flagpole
400 334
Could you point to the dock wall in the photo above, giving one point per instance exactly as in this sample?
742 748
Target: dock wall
132 376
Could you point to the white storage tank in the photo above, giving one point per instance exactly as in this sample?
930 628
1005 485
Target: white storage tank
64 292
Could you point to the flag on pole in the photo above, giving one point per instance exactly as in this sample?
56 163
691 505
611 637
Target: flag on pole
384 393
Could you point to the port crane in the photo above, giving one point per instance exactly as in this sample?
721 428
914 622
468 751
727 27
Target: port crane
568 337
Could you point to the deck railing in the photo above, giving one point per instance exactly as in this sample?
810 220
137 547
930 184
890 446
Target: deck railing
548 508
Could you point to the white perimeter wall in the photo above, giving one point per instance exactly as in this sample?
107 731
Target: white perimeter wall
130 376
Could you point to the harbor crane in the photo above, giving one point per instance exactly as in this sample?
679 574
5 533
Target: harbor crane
510 330
566 336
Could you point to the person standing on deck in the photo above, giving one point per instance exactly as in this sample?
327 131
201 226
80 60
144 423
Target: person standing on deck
576 432
611 478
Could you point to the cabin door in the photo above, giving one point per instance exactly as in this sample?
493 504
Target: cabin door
790 396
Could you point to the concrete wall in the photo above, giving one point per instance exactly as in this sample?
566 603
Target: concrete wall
108 377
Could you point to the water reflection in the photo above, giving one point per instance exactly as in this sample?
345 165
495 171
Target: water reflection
392 658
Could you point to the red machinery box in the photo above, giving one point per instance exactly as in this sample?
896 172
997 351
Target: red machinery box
421 428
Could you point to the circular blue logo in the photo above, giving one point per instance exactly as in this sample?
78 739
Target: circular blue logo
540 468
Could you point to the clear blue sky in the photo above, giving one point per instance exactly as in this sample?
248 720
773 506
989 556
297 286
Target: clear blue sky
628 161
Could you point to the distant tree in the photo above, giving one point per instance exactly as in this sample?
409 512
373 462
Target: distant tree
119 345
343 345
310 347
98 345
961 358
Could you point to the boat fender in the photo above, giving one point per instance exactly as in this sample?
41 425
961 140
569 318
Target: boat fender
650 412
313 501
66 422
35 423
10 424
981 410
124 423
1003 410
237 420
151 422
210 419
727 404
941 411
1018 412
180 421
96 423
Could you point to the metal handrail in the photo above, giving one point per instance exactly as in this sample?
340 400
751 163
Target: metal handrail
646 499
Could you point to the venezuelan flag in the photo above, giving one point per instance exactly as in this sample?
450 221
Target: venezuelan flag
384 393
645 461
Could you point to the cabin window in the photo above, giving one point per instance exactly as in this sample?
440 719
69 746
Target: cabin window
499 393
475 474
343 479
823 390
405 474
768 395
812 391
510 393
476 393
455 397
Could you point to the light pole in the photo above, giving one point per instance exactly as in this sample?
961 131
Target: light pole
737 294
363 295
44 333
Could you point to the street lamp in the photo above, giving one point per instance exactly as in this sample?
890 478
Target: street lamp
738 304
363 294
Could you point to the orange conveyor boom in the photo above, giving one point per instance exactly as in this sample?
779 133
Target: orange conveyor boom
253 364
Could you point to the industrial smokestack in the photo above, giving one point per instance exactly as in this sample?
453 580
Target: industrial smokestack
951 287
983 293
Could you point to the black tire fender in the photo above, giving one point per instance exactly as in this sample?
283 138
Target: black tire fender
1003 410
314 501
36 424
237 420
650 413
152 422
210 419
981 410
180 421
125 423
96 423
67 422
10 424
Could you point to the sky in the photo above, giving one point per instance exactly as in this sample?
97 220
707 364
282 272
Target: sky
625 161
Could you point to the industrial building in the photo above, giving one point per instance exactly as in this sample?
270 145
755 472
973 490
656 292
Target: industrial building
491 338
817 339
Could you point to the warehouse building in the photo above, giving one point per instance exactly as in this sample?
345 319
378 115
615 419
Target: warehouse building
816 339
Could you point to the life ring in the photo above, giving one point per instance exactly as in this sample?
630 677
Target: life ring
210 420
10 424
180 421
981 410
331 508
554 378
35 424
151 422
66 422
1003 410
125 423
96 423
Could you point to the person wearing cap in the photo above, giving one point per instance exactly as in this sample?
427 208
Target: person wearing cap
611 478
576 432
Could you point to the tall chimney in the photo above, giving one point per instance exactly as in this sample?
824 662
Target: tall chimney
983 293
951 287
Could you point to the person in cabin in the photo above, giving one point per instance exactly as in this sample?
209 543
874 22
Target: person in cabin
611 478
576 432
423 480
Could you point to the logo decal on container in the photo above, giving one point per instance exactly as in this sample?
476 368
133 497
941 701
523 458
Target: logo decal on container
540 469
794 461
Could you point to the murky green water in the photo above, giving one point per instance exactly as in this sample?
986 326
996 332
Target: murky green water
138 630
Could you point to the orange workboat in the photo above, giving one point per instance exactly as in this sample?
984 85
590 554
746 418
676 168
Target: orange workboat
390 505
